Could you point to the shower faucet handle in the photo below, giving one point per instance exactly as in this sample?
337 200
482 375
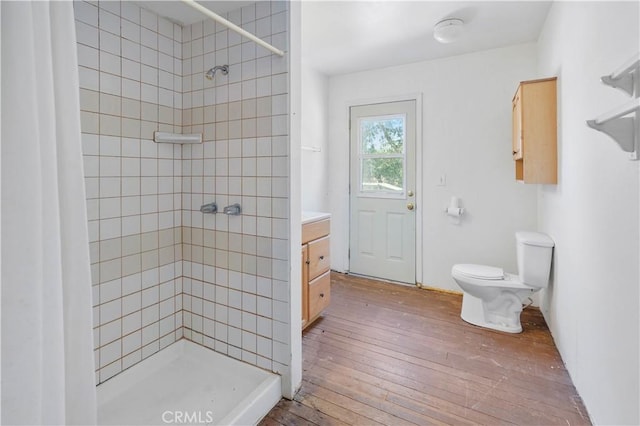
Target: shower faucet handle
210 208
232 210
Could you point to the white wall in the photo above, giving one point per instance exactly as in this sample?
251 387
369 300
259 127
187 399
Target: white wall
592 214
315 105
467 136
294 380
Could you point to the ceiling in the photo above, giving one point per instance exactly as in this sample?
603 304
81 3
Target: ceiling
182 14
340 37
347 36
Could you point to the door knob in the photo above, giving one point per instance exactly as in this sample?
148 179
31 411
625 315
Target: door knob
410 206
410 193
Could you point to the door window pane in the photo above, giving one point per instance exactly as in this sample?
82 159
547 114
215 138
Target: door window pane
382 135
382 155
382 175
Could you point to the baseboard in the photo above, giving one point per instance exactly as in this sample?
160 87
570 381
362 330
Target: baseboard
438 289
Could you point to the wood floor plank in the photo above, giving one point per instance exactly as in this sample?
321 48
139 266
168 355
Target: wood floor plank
308 413
376 397
335 410
423 328
546 365
500 396
394 355
480 375
283 416
364 409
320 374
438 329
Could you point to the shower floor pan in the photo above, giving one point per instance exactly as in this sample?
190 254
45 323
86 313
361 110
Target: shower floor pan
186 383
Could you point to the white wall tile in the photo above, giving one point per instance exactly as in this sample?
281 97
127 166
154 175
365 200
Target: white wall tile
149 38
89 78
148 20
110 84
149 56
109 22
111 6
131 225
130 11
86 12
110 208
88 57
109 42
152 188
110 353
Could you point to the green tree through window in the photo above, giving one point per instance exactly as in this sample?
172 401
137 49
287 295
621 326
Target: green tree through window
383 154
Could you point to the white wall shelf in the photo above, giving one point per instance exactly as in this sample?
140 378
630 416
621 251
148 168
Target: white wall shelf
626 77
623 123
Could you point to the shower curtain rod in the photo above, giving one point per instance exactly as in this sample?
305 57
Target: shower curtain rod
233 27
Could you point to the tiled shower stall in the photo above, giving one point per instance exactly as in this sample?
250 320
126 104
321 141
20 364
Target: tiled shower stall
161 269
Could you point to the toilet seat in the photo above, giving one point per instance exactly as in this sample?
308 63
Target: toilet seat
481 272
487 276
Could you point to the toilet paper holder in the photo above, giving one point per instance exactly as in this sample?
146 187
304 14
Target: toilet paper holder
454 211
454 208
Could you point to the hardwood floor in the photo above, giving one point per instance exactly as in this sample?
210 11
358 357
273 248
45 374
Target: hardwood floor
384 354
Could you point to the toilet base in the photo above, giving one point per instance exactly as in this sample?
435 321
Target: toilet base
473 312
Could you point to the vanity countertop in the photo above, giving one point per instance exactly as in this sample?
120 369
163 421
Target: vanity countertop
308 217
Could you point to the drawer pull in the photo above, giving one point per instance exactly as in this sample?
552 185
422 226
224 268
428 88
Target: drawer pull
321 294
321 257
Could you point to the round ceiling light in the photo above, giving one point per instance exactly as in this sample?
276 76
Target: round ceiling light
448 30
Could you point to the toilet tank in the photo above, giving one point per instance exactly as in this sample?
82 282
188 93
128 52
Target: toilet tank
535 251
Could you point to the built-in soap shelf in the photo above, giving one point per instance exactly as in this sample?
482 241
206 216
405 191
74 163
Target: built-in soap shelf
166 137
623 123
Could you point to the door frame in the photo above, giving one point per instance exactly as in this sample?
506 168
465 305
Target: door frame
417 97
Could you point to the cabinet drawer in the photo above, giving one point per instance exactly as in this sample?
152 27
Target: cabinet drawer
315 230
319 294
319 259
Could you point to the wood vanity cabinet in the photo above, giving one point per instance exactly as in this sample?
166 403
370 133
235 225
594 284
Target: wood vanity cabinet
316 279
534 119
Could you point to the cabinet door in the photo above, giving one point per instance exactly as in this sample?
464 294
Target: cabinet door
517 125
305 285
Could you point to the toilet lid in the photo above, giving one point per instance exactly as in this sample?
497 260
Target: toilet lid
480 271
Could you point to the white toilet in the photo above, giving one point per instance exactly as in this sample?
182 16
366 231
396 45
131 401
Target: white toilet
493 298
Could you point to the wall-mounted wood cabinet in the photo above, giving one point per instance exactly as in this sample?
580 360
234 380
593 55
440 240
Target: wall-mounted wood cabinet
316 263
535 131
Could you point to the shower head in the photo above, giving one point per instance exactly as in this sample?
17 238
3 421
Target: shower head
212 72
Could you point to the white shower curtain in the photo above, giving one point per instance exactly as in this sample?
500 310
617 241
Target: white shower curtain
47 356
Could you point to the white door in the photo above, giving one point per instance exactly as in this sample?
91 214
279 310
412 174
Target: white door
383 220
